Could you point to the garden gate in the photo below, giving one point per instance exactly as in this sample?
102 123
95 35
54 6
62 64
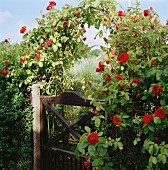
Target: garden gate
48 155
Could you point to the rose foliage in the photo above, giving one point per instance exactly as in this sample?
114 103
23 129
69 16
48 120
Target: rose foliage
131 124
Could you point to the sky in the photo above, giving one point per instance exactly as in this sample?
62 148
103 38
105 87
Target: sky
17 13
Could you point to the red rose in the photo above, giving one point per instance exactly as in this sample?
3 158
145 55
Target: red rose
160 113
147 118
119 76
153 62
167 22
48 42
22 60
136 80
52 3
107 61
6 61
23 29
116 120
123 57
152 26
93 138
77 14
6 40
156 89
6 72
105 19
121 14
108 77
121 86
48 7
156 138
95 112
97 70
105 39
89 83
37 57
86 163
118 26
146 12
151 8
37 51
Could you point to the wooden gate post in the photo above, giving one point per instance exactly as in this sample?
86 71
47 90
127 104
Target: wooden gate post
36 124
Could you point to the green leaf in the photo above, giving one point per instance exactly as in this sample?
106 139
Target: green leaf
95 162
154 160
40 64
55 47
150 150
157 120
88 130
159 157
97 122
125 116
151 127
100 133
91 150
164 159
102 152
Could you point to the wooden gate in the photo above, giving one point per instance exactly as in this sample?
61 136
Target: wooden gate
53 157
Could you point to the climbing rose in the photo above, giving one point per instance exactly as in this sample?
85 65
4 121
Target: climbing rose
93 138
116 120
121 86
159 112
156 89
86 164
121 14
147 119
146 12
48 7
95 112
107 61
167 22
6 61
108 77
105 39
4 72
22 60
23 29
48 42
37 57
52 3
136 80
119 76
156 138
6 40
118 26
153 62
123 57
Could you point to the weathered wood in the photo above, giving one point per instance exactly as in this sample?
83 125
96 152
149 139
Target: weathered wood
62 119
68 98
36 124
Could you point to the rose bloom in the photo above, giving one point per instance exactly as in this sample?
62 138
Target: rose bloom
95 112
121 14
147 119
156 89
153 62
48 42
22 60
48 7
23 29
4 72
116 120
119 76
136 80
107 61
93 138
121 86
146 12
108 77
37 57
86 164
52 3
156 138
123 57
167 22
6 61
118 26
6 40
159 112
